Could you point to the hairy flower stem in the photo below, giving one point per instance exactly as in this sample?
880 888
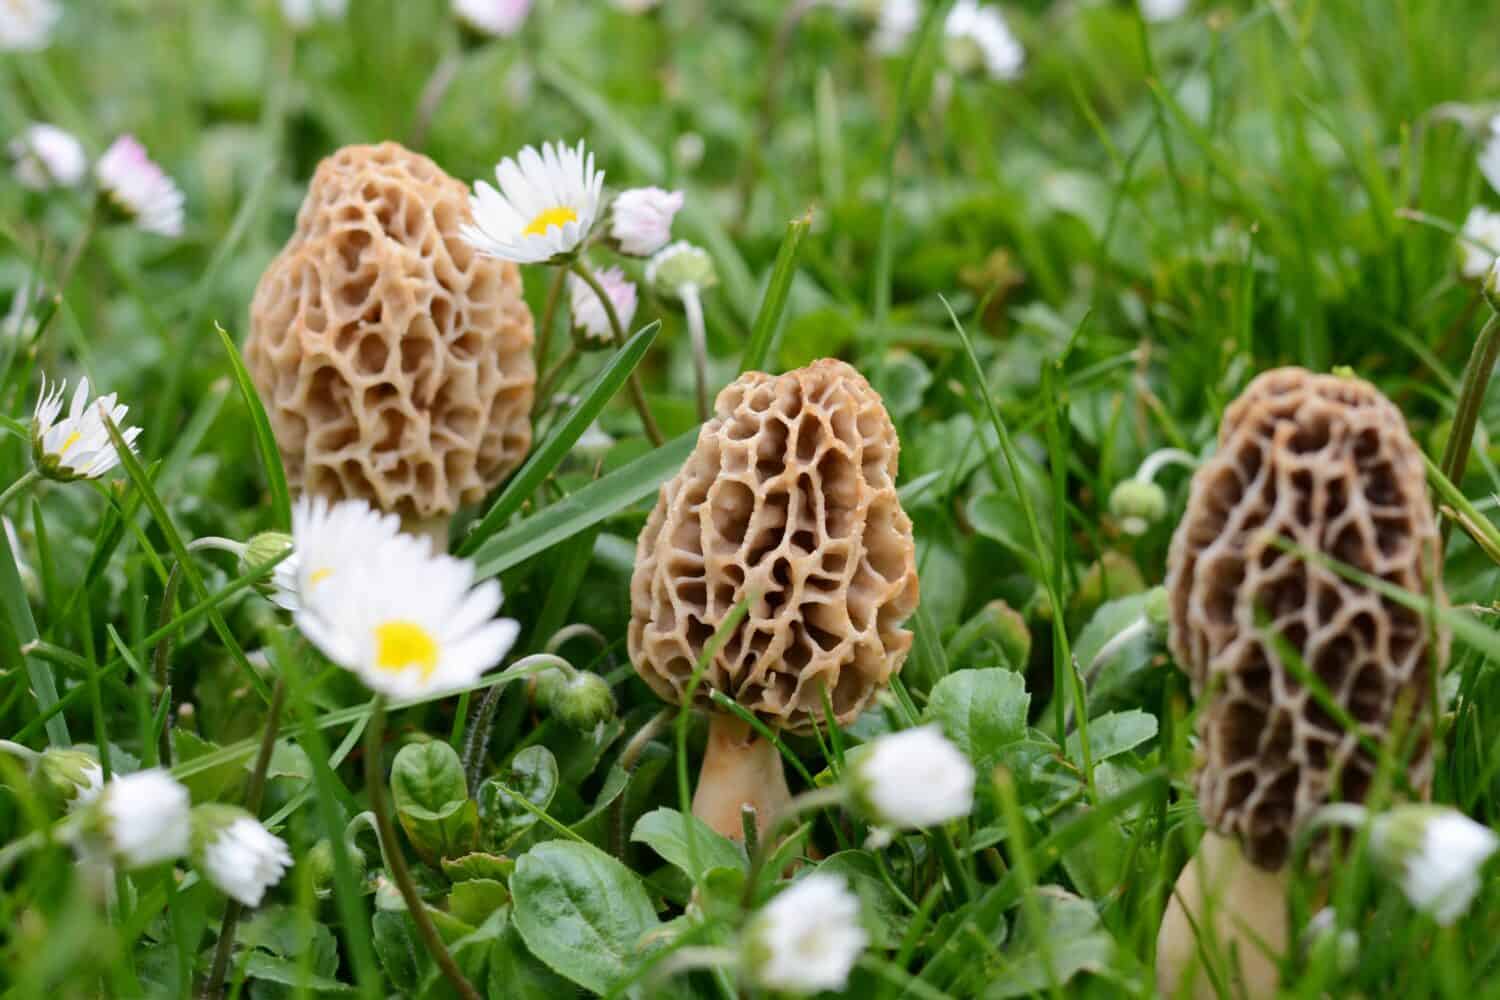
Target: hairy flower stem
400 874
629 758
256 791
549 320
20 486
484 716
1470 398
637 393
692 305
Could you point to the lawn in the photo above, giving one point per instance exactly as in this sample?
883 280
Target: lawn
1044 445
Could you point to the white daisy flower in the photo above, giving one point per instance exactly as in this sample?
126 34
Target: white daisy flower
806 939
237 853
1163 10
26 25
406 621
912 779
144 818
978 37
640 220
588 312
501 18
303 14
895 22
1479 242
1436 854
76 446
20 322
47 156
544 208
139 189
636 6
326 541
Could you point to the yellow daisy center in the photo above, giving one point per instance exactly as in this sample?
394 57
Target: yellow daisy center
401 644
319 575
559 216
70 442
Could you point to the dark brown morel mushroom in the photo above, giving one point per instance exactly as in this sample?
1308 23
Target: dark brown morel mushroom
394 361
790 496
1324 464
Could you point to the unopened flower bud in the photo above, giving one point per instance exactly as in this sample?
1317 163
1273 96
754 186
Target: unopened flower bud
1435 853
1329 945
70 777
582 701
998 623
236 853
678 265
1137 504
320 868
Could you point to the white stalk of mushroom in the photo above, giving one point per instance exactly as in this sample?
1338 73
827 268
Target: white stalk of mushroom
789 501
1312 471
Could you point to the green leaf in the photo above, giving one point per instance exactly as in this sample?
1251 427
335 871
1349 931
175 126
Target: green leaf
665 832
581 912
265 440
397 948
1075 943
1113 734
432 801
758 349
883 911
474 900
517 975
983 711
546 456
533 774
582 509
22 631
212 784
289 972
472 866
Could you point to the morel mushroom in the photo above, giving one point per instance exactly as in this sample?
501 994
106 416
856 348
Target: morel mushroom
789 497
1325 464
394 361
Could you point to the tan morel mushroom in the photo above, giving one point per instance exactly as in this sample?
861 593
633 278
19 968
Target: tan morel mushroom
790 496
1324 463
394 361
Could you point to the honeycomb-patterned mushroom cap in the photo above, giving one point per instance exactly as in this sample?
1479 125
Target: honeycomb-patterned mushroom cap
789 495
1325 463
394 361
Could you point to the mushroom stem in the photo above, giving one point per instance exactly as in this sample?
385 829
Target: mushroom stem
1230 913
740 768
434 529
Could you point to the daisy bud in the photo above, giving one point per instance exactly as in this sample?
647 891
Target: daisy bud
1163 10
144 818
582 701
912 779
236 853
1435 853
26 25
267 547
139 191
1137 504
303 14
640 221
678 265
589 318
1158 608
996 623
47 156
1478 243
76 446
320 869
1329 945
806 939
70 777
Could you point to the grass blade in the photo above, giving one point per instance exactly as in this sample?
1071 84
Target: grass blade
546 458
768 319
265 441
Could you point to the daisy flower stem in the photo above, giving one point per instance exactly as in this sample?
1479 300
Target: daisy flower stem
214 985
161 661
24 754
692 305
20 486
433 92
400 874
817 798
1470 398
637 393
549 321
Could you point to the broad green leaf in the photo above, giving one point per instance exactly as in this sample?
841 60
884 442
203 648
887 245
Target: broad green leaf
432 802
397 948
289 972
477 865
1113 734
516 974
581 912
474 900
1075 943
212 784
665 832
983 711
883 913
533 774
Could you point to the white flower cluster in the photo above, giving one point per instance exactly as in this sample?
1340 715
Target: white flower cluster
383 605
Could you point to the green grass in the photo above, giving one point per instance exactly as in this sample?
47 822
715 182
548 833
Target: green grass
1047 280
